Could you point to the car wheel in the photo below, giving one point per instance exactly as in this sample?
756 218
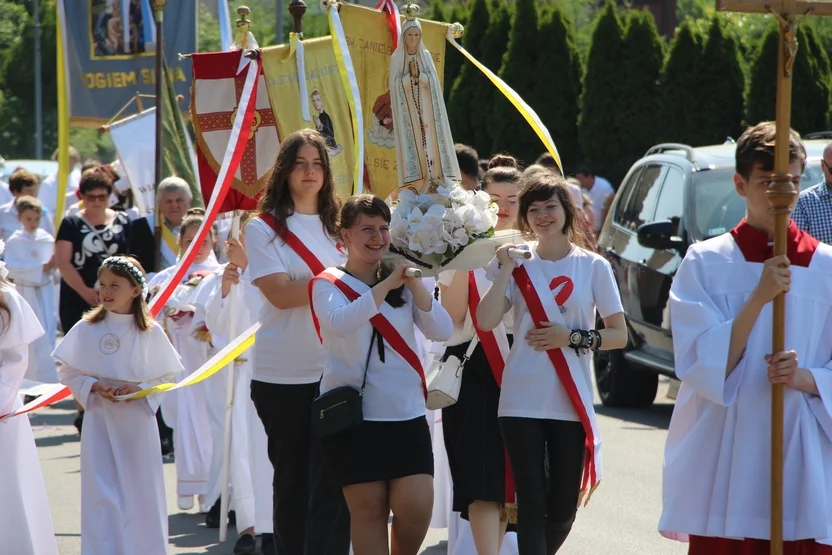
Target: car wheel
620 384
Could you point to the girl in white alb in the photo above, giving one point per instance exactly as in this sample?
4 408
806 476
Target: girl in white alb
292 239
186 410
546 402
384 463
26 527
115 350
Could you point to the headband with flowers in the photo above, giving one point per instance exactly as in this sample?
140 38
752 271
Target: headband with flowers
128 266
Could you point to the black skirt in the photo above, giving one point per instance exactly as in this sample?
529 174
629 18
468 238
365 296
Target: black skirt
380 451
476 455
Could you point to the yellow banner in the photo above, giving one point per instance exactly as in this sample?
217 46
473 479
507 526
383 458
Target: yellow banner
371 48
328 105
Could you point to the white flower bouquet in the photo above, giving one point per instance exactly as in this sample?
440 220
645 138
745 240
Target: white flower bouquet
452 229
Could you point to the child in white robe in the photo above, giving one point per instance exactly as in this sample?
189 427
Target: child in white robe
26 526
117 349
185 410
29 256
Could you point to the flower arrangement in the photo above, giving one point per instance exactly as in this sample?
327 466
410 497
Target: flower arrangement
431 231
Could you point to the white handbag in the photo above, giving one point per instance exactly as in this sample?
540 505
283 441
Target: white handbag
444 379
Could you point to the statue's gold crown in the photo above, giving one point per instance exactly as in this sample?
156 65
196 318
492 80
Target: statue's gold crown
410 11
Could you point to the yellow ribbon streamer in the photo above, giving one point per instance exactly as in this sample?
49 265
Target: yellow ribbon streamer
350 82
169 239
525 110
63 121
219 361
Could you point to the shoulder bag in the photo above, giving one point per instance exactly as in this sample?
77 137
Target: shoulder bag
445 378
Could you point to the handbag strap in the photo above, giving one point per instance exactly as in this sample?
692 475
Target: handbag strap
471 347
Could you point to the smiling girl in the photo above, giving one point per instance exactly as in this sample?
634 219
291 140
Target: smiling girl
117 349
546 403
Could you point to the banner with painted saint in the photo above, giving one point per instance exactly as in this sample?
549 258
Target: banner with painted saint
318 103
110 48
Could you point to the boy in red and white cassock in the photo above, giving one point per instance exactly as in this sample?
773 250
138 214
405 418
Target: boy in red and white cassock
717 465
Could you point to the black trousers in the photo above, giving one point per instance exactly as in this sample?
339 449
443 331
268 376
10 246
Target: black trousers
310 514
547 458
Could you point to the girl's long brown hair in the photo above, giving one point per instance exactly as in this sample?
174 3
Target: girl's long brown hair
141 314
278 198
541 187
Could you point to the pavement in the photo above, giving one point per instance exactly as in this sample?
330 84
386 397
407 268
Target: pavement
620 520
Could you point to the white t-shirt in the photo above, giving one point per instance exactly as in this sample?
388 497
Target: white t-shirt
465 332
287 350
531 387
600 190
393 390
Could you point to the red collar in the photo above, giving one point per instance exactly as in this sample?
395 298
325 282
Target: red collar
755 244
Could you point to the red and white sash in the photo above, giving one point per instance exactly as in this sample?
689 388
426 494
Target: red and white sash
379 322
295 243
542 307
495 345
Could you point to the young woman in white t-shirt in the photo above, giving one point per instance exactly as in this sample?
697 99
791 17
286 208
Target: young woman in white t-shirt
476 454
546 404
385 463
300 203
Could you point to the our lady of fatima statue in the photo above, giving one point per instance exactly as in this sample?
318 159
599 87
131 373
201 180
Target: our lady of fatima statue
424 145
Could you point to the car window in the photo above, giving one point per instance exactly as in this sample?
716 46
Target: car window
626 190
671 198
717 207
642 201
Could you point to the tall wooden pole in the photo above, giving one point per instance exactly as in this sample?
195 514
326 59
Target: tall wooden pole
158 16
297 8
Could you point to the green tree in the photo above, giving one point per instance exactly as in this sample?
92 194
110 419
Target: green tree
810 82
599 125
461 109
684 100
557 89
487 98
454 59
723 81
511 132
639 96
13 16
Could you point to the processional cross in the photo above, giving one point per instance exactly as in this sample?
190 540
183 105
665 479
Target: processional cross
780 194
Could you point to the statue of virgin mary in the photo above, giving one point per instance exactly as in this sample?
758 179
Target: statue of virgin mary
424 145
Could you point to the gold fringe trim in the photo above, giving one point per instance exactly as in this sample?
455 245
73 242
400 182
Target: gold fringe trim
202 335
509 513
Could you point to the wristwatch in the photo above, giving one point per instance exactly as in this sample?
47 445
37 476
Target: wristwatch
575 339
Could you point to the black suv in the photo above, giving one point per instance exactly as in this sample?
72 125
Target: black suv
674 196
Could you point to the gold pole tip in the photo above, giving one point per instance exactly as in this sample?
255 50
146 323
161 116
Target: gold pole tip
243 11
457 30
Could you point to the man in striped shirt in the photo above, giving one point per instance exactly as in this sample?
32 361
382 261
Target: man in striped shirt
813 212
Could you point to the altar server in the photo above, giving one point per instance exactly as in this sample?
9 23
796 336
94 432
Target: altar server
185 410
717 466
546 402
117 349
384 463
250 470
294 238
26 527
30 258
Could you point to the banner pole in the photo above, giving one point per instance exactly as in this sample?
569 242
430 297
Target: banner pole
63 120
158 15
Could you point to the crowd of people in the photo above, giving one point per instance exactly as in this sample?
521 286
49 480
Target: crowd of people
333 437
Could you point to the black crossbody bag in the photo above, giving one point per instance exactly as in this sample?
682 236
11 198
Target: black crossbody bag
340 409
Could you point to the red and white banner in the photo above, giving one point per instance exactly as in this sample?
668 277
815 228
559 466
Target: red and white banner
215 96
48 394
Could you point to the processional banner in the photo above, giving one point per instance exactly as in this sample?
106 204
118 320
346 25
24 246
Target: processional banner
371 48
135 139
110 47
326 101
217 91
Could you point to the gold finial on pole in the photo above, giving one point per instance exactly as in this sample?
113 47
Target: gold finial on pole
411 10
243 25
297 8
457 30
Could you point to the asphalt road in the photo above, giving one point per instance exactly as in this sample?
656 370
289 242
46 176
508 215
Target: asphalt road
620 520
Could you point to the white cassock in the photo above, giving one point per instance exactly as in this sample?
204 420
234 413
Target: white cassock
185 410
123 508
250 471
9 222
717 465
26 526
25 255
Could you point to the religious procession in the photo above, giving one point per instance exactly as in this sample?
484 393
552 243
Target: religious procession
292 315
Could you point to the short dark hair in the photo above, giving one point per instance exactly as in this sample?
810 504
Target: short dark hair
21 179
100 177
25 202
585 170
468 160
755 148
542 186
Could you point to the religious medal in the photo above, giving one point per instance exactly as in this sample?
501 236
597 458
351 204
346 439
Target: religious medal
109 343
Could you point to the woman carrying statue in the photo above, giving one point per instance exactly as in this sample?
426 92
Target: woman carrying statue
424 146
